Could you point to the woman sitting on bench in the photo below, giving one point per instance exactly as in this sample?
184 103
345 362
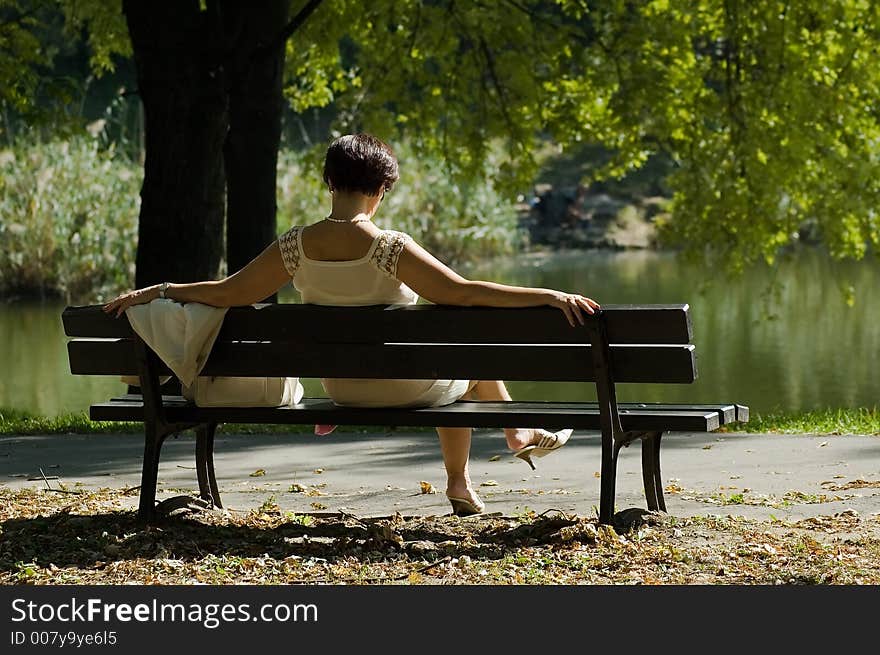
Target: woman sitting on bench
346 260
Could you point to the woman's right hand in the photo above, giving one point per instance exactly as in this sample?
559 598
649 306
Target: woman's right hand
136 297
573 305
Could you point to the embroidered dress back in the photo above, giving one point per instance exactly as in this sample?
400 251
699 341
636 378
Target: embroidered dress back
368 280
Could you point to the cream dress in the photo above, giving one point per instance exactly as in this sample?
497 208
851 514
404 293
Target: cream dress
369 280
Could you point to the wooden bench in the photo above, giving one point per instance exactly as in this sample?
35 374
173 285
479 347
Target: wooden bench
622 343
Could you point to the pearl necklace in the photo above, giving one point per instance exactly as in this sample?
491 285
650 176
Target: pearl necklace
343 220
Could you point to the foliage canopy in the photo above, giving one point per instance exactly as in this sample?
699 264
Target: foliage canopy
768 110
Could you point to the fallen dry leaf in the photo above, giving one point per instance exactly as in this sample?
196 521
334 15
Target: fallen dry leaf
852 484
489 483
258 473
296 488
319 471
427 487
317 505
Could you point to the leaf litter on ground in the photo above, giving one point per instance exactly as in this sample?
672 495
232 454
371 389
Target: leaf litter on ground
95 538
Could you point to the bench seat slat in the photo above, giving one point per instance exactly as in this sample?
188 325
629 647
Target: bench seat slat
461 414
727 413
647 363
670 324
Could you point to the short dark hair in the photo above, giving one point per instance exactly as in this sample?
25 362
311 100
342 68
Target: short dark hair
360 162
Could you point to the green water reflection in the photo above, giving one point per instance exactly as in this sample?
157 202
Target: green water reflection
803 348
800 347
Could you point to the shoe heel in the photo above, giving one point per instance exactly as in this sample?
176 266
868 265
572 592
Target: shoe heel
463 507
526 457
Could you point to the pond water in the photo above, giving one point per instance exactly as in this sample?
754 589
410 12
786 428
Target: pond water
800 347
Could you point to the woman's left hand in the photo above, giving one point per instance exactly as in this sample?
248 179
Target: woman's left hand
137 297
573 305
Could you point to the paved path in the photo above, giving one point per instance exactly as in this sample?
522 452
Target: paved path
372 475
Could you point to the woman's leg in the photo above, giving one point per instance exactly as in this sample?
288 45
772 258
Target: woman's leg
517 438
455 445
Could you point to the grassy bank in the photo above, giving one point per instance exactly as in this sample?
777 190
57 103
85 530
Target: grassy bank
862 420
15 422
69 214
828 421
68 219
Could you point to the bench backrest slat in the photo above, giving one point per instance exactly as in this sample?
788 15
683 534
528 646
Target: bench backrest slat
635 363
649 343
625 324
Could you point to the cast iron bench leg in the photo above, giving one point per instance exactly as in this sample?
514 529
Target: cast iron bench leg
205 464
610 451
651 471
153 439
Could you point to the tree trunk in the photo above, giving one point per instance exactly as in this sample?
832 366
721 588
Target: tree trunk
182 88
211 86
254 67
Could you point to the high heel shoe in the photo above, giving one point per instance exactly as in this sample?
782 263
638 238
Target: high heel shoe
465 507
548 442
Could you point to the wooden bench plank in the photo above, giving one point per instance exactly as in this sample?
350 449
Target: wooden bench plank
461 414
625 324
727 413
650 363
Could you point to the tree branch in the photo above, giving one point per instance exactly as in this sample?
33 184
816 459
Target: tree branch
499 90
297 22
286 33
544 19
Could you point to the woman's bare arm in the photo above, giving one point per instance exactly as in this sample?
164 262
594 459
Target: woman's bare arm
437 283
262 277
